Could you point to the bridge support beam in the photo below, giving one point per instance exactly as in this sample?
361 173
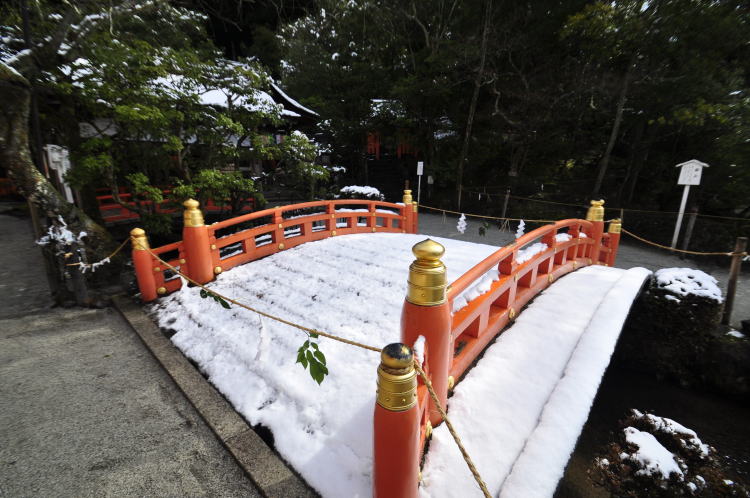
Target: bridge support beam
426 312
197 244
396 426
143 264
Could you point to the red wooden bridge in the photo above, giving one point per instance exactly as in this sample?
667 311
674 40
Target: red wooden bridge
404 413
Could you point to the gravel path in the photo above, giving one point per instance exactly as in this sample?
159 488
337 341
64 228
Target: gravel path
86 409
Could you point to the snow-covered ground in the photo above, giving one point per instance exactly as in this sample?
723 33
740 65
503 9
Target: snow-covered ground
354 286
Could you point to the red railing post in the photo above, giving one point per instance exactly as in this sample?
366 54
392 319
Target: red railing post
615 227
197 244
396 428
426 312
331 221
143 264
595 215
372 220
278 220
408 213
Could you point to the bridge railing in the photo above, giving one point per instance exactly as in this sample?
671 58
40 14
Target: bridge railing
457 322
207 250
111 211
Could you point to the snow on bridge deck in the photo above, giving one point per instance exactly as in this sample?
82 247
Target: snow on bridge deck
519 411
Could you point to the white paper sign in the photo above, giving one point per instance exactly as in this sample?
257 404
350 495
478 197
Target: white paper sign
690 172
420 168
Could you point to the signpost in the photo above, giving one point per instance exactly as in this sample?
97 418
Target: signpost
690 174
420 172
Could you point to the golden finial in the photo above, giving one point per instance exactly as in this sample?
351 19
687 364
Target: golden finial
193 217
427 275
615 226
139 240
397 379
596 211
407 197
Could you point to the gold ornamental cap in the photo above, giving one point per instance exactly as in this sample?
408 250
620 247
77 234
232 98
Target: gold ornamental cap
396 355
397 379
193 217
596 211
429 252
427 274
407 196
139 240
615 226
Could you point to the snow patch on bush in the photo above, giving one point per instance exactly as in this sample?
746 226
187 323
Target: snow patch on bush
362 190
688 281
653 458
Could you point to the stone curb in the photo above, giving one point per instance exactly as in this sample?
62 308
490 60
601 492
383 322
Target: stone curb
264 467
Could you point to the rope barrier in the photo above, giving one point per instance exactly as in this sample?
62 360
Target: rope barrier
485 217
263 313
101 261
582 206
309 330
448 423
696 253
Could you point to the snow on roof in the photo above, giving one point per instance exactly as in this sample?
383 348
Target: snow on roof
258 101
692 161
291 100
688 281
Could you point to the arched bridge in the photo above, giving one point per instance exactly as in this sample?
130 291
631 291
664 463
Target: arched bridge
523 381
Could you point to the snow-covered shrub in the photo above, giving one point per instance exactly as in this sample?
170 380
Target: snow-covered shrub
657 456
361 192
670 326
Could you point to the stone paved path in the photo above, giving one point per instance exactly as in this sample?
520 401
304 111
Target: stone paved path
85 410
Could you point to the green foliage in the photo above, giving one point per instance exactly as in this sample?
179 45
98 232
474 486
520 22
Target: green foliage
208 294
554 76
312 358
228 189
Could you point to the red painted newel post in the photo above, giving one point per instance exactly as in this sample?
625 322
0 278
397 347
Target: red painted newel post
426 312
595 215
615 227
396 426
408 213
143 264
197 244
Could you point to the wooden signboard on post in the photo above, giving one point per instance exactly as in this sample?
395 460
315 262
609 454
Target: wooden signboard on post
690 174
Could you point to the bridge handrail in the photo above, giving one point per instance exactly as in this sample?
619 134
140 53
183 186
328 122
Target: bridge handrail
302 205
453 340
480 269
200 252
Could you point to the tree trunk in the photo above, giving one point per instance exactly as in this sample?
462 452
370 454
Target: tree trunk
15 154
634 153
604 162
473 104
